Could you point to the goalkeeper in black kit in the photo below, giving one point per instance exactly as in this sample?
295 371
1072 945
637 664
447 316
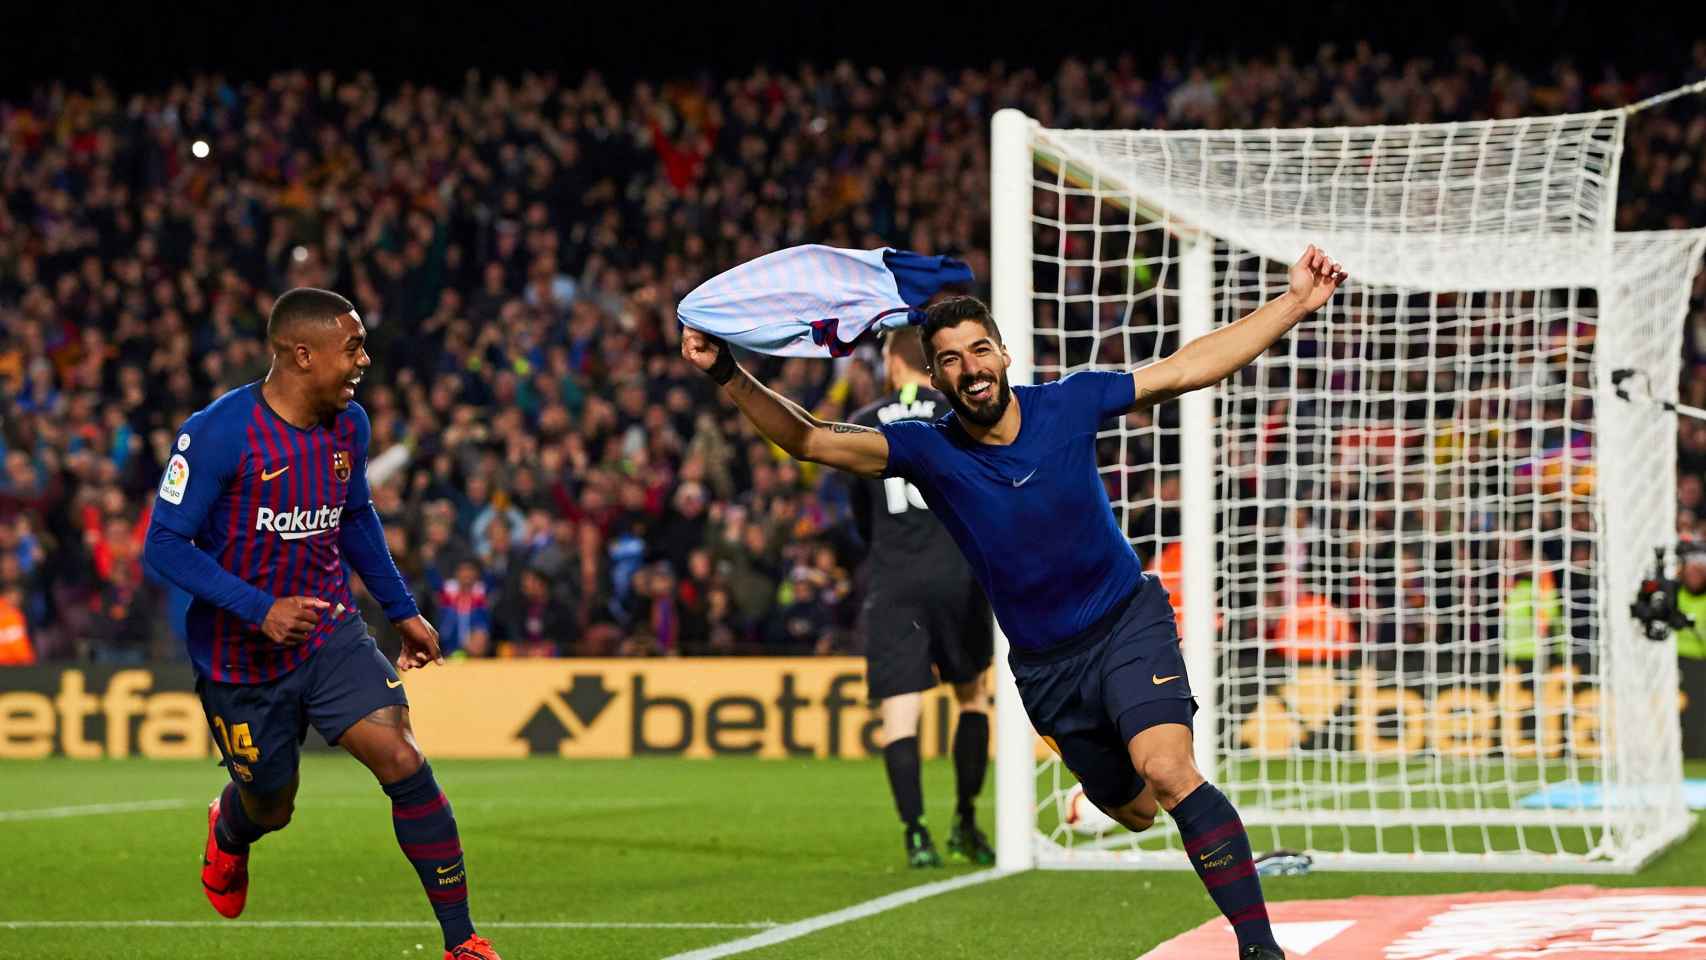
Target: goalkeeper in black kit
925 621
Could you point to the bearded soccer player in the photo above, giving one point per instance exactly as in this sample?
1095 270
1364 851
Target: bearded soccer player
1011 472
925 620
264 499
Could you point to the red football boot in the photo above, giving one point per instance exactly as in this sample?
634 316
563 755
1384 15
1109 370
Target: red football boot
475 947
225 876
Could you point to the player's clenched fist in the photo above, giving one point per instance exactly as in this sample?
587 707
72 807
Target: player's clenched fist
708 353
292 619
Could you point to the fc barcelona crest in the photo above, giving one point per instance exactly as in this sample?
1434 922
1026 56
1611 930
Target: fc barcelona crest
340 465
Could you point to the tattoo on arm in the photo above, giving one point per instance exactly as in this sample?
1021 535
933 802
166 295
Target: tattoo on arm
849 428
391 716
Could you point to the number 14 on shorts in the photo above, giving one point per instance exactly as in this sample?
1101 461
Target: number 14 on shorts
237 741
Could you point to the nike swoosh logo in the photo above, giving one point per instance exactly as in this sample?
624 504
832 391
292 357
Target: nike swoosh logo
455 866
1158 681
1021 482
265 476
1206 856
393 684
304 534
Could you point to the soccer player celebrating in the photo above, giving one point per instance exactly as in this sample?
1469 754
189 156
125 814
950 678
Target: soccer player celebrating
1011 471
924 617
263 499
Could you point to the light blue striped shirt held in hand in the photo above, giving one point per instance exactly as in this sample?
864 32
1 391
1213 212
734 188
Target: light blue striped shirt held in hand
815 301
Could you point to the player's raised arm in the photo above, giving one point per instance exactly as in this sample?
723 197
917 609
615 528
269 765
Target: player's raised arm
783 422
1213 357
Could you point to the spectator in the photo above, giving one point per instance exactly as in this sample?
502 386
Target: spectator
1691 649
15 648
534 623
1532 613
503 563
805 623
1310 629
745 559
464 620
1691 641
683 528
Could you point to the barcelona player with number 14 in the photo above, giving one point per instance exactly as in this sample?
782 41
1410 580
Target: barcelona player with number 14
263 500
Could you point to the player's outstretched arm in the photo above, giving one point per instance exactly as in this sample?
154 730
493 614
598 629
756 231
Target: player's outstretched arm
1213 357
845 446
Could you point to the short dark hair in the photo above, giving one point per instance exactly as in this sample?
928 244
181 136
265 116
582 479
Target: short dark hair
952 312
303 307
906 344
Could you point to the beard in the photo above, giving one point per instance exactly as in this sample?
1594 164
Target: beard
986 413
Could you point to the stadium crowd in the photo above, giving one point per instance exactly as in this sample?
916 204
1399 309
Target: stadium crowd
554 480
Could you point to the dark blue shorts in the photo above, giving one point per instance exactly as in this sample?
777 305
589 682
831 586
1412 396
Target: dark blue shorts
259 727
1090 695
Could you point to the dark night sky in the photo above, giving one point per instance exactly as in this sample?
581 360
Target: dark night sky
135 46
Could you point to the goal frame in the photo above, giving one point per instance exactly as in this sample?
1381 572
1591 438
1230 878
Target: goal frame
1019 845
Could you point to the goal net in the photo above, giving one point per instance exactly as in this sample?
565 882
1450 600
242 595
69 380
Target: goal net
1401 544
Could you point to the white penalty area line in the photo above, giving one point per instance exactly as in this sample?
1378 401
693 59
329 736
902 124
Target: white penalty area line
378 924
859 911
94 809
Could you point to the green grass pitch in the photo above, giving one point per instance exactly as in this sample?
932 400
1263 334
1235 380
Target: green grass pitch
734 843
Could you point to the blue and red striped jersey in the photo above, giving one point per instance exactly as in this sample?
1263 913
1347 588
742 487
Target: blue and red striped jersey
264 498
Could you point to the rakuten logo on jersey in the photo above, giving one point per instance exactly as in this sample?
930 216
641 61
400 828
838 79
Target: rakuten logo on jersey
298 524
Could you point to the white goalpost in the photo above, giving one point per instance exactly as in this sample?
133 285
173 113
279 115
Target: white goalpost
1403 543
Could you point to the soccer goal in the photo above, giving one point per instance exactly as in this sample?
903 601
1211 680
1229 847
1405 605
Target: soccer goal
1402 544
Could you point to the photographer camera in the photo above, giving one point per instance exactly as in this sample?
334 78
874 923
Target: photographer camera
1677 605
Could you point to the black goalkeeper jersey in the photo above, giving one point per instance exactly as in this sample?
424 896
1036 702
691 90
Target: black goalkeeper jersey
910 551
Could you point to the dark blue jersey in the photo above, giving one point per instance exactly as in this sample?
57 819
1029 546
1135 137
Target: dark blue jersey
1032 516
264 499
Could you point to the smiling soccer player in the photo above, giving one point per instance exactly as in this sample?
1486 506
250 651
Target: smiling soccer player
1011 472
263 500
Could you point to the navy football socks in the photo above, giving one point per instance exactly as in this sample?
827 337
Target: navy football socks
1220 851
426 830
234 831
